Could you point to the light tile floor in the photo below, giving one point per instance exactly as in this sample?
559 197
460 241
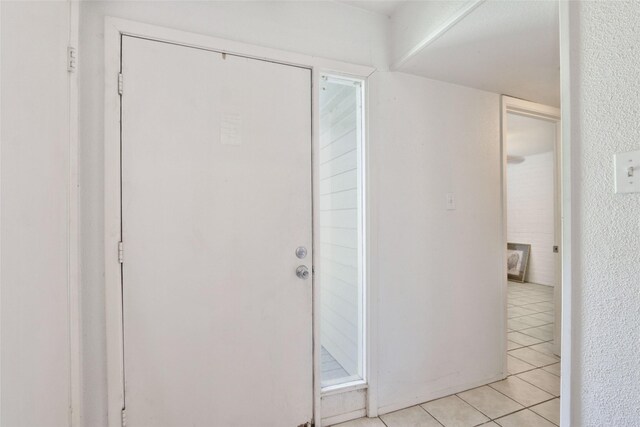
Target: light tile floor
528 397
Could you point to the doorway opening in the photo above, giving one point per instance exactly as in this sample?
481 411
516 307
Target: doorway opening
531 173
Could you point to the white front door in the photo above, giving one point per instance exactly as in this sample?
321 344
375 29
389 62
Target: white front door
216 197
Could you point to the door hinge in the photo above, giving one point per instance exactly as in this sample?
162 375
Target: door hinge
120 83
124 417
120 253
72 59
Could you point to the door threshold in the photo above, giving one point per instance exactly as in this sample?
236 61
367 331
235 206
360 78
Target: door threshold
343 388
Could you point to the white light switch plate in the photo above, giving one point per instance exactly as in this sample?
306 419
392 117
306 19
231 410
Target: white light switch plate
451 201
627 170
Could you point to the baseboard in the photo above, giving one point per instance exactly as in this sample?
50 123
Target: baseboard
344 417
426 397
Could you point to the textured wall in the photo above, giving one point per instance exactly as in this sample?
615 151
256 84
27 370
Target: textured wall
605 78
530 213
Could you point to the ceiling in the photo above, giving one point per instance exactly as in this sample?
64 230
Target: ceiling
507 47
383 7
527 136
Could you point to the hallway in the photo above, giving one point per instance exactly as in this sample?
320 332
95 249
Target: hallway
528 397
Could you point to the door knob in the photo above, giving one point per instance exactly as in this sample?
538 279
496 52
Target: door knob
302 272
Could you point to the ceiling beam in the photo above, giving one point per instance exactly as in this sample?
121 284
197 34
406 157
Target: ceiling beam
437 33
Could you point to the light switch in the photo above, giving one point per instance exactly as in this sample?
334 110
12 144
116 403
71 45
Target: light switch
451 201
627 172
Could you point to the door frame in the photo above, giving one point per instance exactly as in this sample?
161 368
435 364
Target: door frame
114 29
551 114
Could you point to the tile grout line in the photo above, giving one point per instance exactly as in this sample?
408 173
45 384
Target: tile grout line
521 409
542 416
534 367
468 403
495 420
529 363
550 394
558 396
382 421
430 414
535 327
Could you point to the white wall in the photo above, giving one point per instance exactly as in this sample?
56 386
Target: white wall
530 213
339 237
605 88
438 273
34 260
326 29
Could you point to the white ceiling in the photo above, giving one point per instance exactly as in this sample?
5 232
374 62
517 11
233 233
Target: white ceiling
383 7
507 47
527 136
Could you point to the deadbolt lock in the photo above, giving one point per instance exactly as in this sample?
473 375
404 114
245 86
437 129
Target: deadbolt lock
301 252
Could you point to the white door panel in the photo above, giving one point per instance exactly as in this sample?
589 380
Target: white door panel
216 196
